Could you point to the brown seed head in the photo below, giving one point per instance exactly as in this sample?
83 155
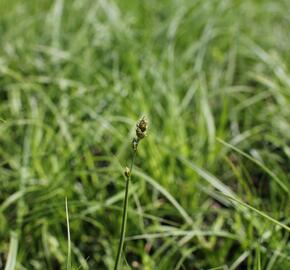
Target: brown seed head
141 128
142 124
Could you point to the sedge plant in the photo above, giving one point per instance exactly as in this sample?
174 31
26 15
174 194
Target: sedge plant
141 129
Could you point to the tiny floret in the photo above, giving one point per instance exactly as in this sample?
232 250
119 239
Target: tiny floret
135 142
127 172
141 128
142 124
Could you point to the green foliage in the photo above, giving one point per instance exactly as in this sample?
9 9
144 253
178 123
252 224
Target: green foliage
74 78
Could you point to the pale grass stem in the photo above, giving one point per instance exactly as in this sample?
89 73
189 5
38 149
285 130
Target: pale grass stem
141 128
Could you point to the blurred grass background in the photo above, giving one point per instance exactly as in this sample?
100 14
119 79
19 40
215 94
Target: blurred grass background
74 78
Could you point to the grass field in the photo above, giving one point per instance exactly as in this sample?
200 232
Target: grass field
210 187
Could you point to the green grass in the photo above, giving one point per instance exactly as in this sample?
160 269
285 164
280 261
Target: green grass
211 181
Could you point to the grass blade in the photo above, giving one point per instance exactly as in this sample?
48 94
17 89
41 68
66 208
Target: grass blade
68 266
12 255
260 164
163 191
260 213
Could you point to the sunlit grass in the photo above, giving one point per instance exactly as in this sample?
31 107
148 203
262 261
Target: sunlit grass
211 182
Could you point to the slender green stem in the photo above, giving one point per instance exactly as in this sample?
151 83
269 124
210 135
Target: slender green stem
124 217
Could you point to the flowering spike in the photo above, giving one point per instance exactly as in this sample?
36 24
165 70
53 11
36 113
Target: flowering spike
141 128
